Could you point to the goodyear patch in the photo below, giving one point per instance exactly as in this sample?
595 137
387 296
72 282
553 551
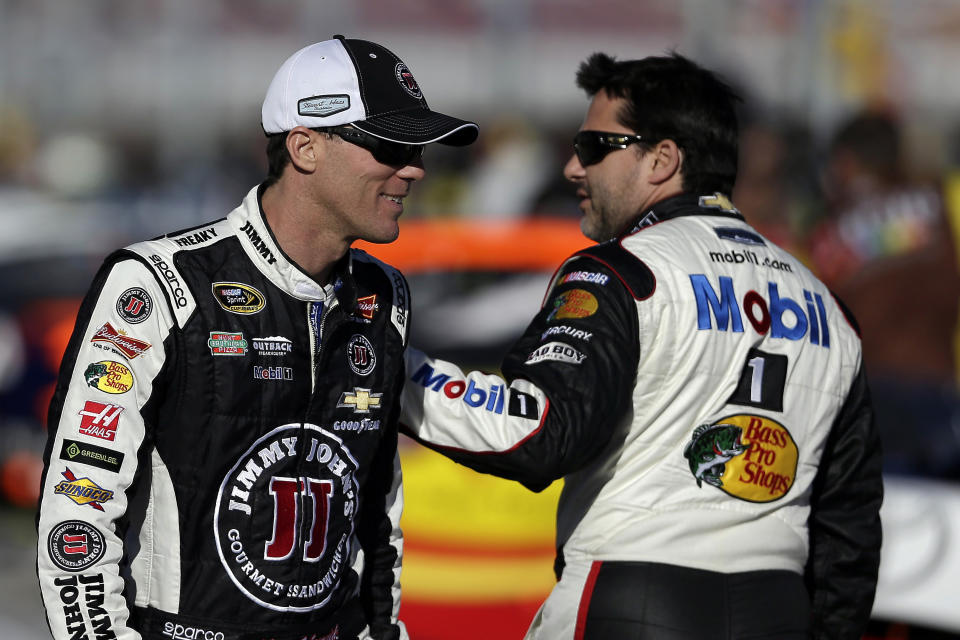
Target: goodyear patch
109 376
746 456
576 303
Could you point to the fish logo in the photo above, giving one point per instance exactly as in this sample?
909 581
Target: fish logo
710 449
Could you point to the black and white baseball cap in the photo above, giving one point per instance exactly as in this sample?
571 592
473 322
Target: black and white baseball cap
357 82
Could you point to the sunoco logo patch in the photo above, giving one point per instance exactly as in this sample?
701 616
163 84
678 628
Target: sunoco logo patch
748 457
237 297
283 529
74 545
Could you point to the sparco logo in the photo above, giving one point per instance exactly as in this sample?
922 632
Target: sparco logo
176 289
179 632
285 517
399 300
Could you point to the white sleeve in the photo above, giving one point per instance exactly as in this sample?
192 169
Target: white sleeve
96 429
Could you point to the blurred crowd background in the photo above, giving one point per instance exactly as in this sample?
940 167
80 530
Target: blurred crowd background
123 120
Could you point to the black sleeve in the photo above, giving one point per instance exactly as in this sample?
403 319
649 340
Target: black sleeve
845 534
581 350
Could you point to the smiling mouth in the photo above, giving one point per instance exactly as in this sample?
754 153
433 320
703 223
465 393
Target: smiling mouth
397 199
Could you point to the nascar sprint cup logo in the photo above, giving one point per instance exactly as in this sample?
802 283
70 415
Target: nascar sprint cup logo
283 536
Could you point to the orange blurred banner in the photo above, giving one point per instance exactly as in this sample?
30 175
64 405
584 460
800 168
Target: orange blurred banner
534 244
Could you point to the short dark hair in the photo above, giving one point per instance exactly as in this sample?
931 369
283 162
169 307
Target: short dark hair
673 97
277 155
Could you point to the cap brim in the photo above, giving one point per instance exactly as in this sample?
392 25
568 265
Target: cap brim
420 126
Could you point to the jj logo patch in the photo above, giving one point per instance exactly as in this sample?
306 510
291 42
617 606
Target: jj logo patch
360 355
74 545
134 305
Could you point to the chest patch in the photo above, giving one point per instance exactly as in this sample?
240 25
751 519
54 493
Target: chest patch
285 515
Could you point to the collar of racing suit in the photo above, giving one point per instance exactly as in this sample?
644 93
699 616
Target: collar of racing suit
260 245
684 204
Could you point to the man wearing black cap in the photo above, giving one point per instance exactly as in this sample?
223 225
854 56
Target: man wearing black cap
222 454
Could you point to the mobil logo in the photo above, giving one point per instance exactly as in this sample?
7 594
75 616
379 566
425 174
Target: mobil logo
783 317
490 399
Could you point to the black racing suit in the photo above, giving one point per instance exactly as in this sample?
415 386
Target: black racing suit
222 454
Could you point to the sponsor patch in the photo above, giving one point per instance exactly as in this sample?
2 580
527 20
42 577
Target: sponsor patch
746 456
285 516
360 355
239 298
743 236
272 373
523 405
575 303
360 400
719 201
564 330
83 491
323 106
406 80
258 243
222 343
196 237
488 398
368 305
77 611
134 305
126 345
586 276
74 545
366 424
555 351
272 346
100 419
76 451
109 376
173 282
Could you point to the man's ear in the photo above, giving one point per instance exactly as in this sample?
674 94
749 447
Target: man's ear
667 161
302 147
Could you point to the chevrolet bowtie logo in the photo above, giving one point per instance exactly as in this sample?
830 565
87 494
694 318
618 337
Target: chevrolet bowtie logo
360 399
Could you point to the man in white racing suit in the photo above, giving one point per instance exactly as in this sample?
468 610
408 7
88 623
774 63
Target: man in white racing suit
700 392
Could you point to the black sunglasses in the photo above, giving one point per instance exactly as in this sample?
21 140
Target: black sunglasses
593 146
384 151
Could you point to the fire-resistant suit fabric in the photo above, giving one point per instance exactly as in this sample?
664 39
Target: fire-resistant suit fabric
701 393
222 453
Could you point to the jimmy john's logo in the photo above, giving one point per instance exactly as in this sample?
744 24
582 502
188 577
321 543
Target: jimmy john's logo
109 376
83 491
360 355
134 305
285 517
748 457
575 303
236 297
82 597
74 545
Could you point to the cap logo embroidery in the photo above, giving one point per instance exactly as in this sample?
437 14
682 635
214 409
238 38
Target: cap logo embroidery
323 106
407 81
